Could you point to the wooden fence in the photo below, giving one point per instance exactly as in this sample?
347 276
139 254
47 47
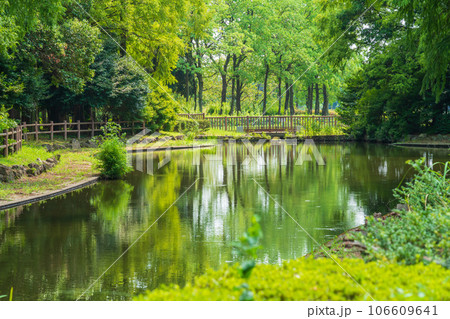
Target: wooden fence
265 123
77 128
26 130
14 134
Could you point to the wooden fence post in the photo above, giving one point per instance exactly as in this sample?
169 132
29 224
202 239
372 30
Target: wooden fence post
24 126
51 131
16 137
132 127
248 124
19 135
21 138
143 125
93 128
226 123
65 130
36 130
5 152
79 129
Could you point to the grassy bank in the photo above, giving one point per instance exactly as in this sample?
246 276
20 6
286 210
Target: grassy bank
28 154
73 167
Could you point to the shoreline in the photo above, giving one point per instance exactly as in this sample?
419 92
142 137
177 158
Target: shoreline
344 245
48 194
423 145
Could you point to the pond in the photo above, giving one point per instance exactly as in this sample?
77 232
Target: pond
183 219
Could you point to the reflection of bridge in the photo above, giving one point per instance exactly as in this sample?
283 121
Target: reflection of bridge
267 123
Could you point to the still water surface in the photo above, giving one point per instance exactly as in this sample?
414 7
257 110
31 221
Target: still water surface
55 250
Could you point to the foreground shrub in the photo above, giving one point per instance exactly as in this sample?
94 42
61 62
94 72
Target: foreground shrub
422 233
317 279
113 159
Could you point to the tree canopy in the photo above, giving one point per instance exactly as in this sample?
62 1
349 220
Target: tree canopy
383 63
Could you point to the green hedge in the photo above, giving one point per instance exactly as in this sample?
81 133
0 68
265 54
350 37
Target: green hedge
187 124
317 279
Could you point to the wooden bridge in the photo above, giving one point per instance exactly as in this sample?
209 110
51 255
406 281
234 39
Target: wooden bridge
267 123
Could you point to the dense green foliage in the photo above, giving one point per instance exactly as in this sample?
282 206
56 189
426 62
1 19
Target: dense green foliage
320 279
187 125
401 84
67 60
113 155
113 159
422 233
5 121
385 63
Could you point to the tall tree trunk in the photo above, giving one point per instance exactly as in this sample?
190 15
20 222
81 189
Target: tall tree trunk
317 108
266 77
200 91
223 98
223 74
233 83
200 83
279 95
195 94
239 92
287 98
291 100
187 86
309 100
325 101
233 86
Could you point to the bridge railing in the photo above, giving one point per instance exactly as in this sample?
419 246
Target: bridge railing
266 123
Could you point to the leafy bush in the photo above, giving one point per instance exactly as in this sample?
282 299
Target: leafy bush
5 121
317 279
109 131
187 124
422 233
113 159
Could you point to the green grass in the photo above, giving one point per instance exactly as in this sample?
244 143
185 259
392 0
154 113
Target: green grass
176 143
73 167
165 133
316 130
219 133
28 154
